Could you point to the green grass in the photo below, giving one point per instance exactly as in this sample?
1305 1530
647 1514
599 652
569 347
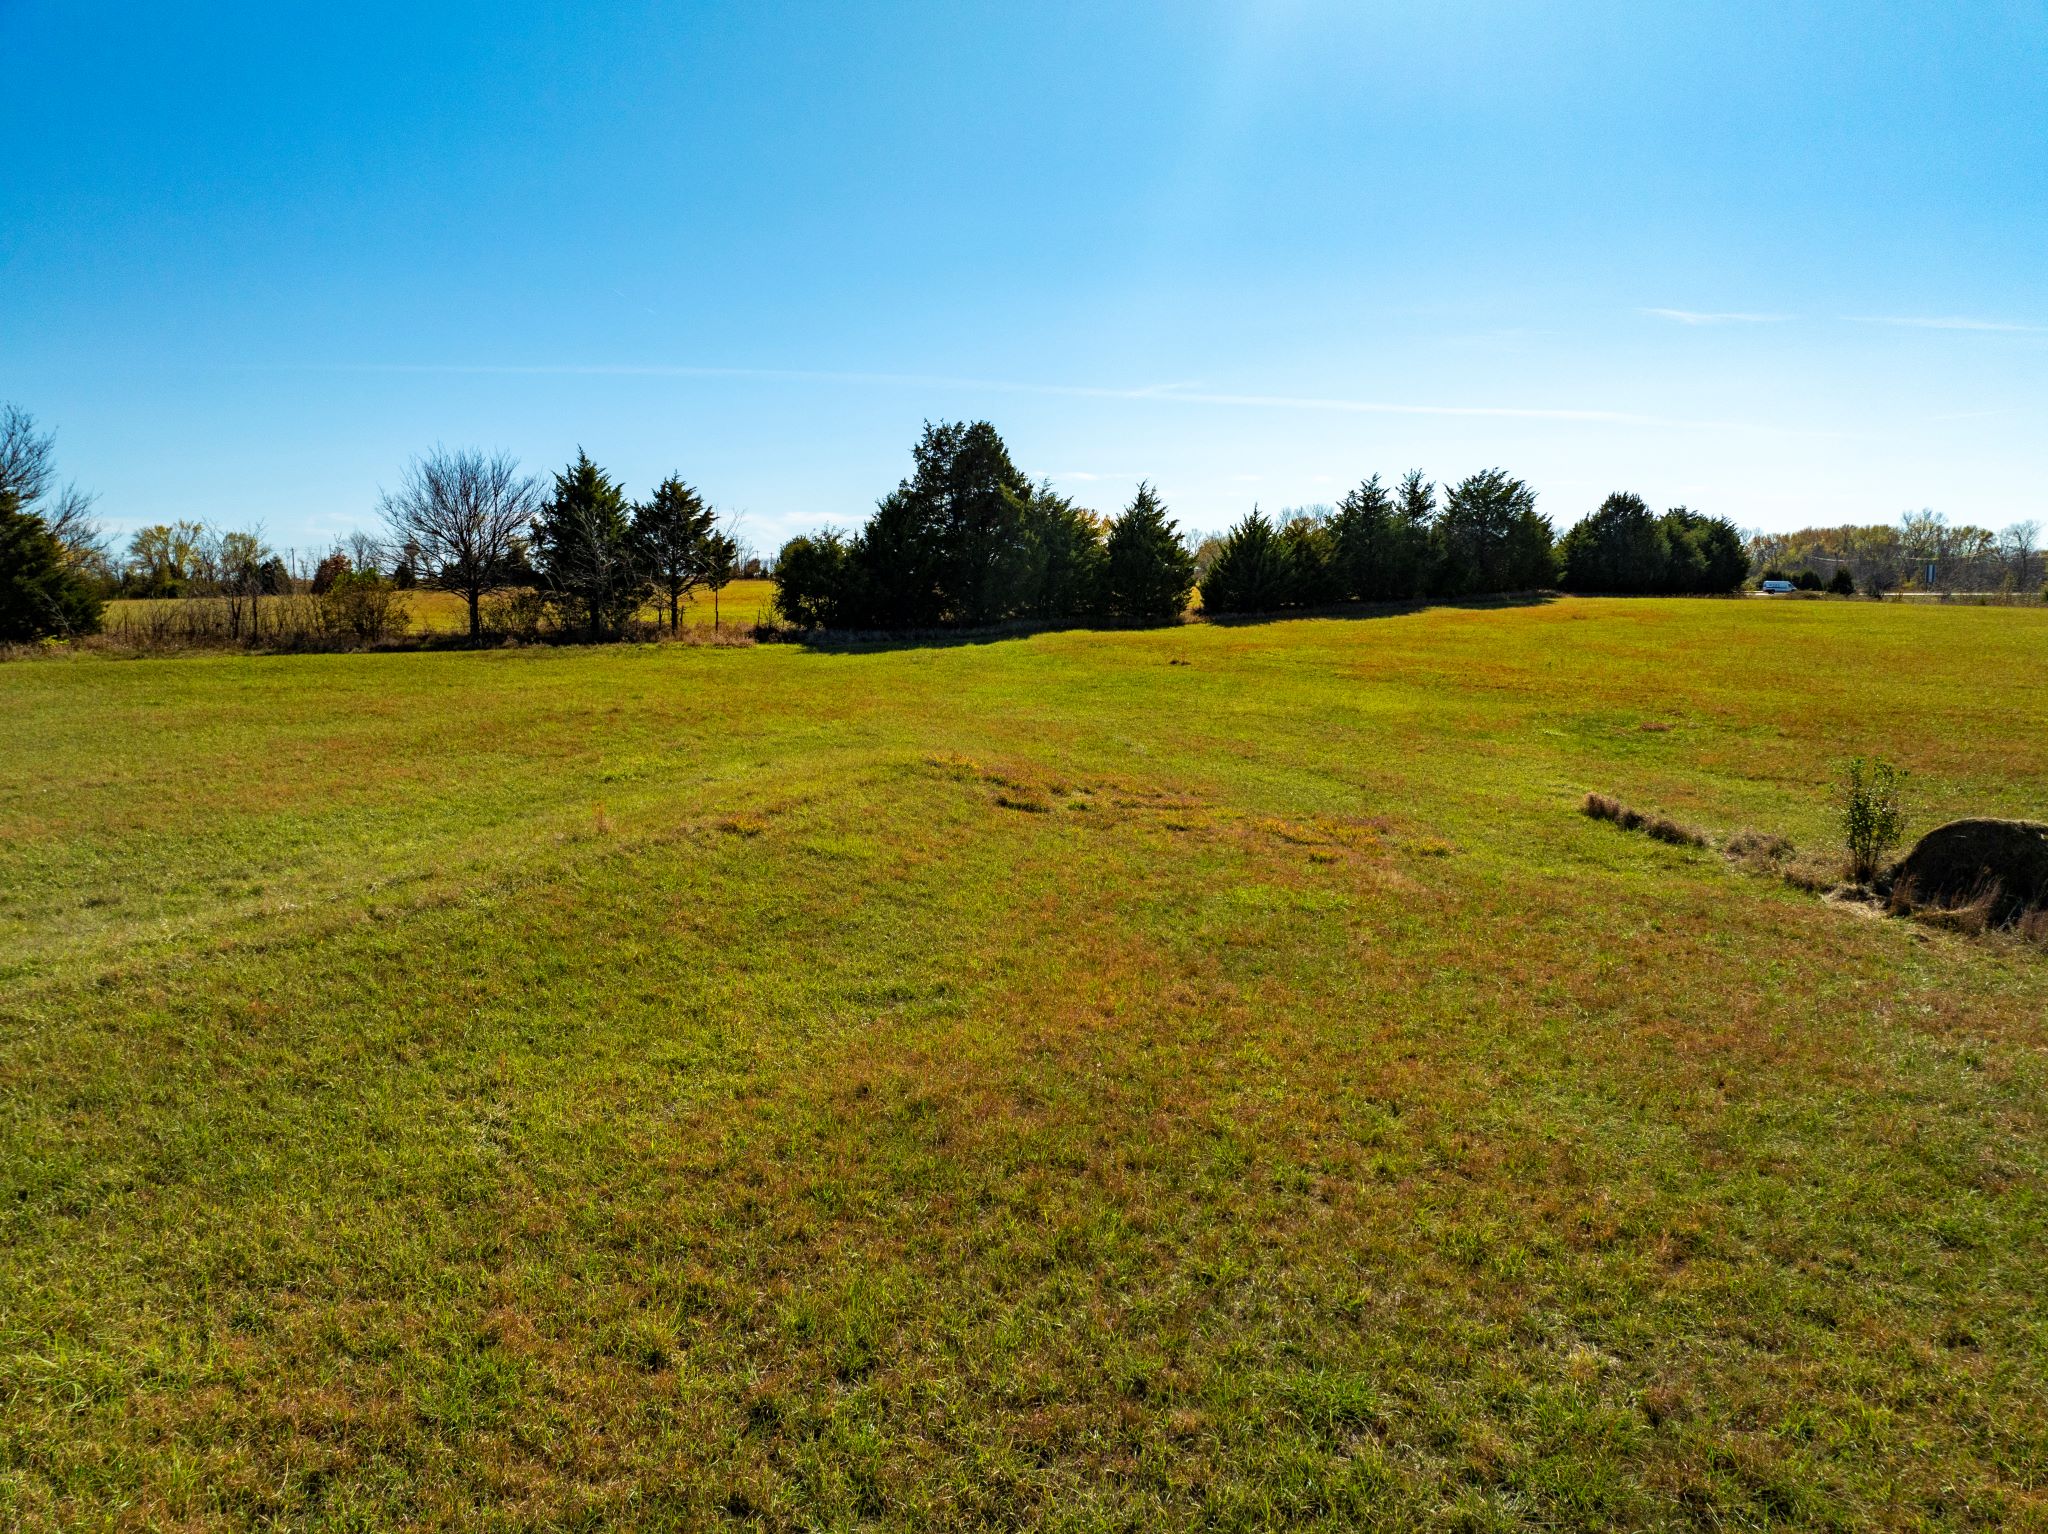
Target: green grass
1211 1077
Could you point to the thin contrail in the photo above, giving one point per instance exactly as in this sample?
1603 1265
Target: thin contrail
1173 394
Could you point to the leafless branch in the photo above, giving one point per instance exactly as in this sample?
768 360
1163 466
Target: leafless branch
464 511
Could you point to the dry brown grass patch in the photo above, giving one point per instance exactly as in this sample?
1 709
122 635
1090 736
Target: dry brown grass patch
1765 853
1757 851
1812 872
1659 827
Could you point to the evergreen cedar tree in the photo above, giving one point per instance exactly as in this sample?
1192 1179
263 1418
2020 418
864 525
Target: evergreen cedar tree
43 594
584 546
599 558
1625 547
1254 571
967 540
670 530
1379 540
1148 573
1490 538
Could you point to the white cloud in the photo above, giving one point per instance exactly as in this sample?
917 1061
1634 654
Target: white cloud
1705 317
1947 322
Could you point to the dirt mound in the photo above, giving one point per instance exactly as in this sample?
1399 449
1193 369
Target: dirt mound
2000 866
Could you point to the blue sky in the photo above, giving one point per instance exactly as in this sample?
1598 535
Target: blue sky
1783 262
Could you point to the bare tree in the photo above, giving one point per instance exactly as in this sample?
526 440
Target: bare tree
27 457
229 568
465 512
365 551
28 468
2018 543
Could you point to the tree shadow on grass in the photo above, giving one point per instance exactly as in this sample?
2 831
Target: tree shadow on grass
872 641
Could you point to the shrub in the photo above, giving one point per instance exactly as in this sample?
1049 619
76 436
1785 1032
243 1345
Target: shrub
813 581
363 606
521 613
1872 814
1842 583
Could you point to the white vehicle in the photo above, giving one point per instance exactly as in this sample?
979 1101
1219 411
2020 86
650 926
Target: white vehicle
1774 588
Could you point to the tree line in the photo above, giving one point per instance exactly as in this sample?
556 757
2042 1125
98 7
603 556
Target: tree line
576 554
1922 550
586 555
964 540
573 555
967 540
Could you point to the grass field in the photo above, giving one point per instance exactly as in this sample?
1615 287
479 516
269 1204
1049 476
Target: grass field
1208 1077
742 603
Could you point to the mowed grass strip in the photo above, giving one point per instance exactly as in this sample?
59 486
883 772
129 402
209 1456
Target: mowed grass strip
1026 1082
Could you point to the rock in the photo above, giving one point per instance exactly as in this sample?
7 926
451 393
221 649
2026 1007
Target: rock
1960 862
